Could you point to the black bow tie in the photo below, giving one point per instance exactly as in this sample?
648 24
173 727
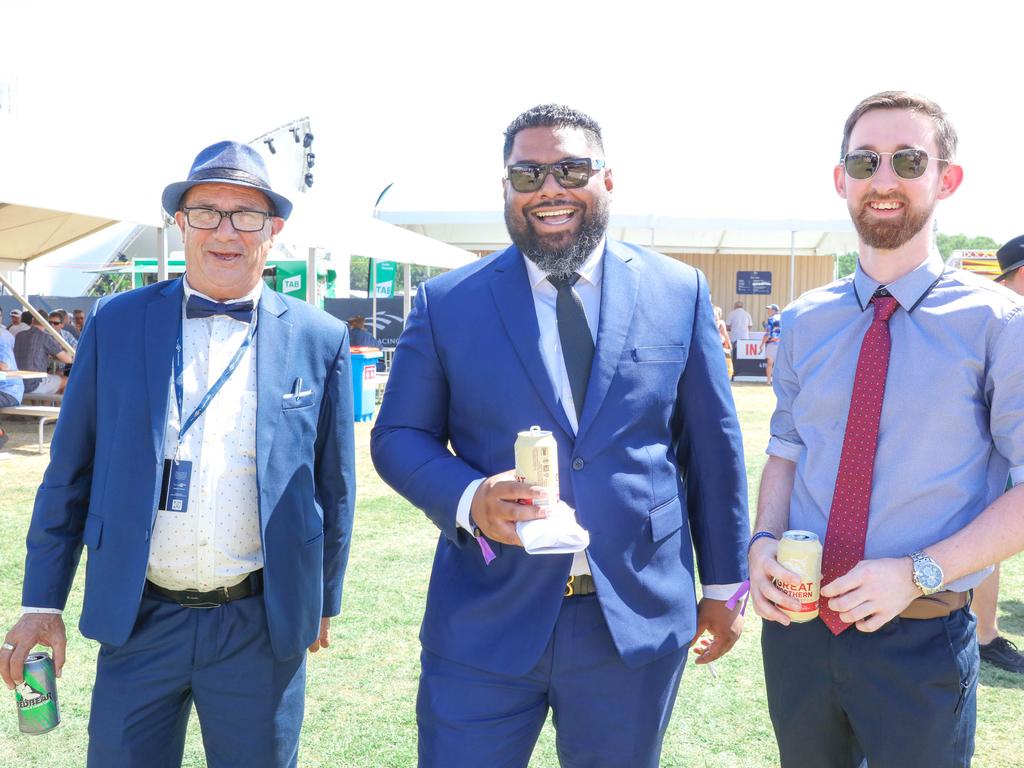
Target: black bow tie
197 306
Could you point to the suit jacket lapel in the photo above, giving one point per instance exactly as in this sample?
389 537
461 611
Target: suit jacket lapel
163 318
620 284
273 369
514 301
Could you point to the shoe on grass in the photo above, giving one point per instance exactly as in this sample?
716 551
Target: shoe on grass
1003 654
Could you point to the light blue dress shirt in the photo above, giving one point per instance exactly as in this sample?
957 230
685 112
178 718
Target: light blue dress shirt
952 423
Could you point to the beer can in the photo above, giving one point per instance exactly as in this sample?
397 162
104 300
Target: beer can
38 710
537 463
800 552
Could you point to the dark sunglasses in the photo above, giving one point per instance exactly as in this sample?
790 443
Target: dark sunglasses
570 174
861 164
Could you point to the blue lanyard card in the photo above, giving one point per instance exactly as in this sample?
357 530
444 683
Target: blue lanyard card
175 485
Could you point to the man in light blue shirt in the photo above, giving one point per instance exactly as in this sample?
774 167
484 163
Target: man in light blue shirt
898 686
11 390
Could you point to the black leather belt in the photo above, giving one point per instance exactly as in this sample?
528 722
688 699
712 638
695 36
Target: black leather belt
193 598
580 585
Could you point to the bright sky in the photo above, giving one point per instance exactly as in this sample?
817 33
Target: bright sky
734 111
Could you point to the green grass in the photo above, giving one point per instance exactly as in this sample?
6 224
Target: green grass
360 702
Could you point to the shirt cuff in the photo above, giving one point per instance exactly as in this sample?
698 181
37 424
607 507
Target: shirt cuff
466 504
28 609
1016 476
784 449
720 591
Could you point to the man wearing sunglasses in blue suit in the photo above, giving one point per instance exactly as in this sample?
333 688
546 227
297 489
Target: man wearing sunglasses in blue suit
614 349
204 455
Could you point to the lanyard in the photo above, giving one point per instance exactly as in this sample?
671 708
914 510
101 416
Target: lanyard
179 366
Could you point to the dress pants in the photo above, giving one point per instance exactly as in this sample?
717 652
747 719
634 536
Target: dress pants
249 703
605 714
903 696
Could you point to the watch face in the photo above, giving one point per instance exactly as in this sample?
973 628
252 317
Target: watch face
929 575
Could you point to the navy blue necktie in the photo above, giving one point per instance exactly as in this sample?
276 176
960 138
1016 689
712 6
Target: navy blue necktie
197 306
574 333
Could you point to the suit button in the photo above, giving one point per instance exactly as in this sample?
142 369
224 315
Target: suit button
578 463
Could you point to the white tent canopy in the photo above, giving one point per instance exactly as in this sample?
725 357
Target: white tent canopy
27 233
485 231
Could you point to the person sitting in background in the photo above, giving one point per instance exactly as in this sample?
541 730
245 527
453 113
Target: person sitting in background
11 390
358 335
79 321
68 326
32 351
16 326
59 320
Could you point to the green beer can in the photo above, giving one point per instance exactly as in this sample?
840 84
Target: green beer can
38 711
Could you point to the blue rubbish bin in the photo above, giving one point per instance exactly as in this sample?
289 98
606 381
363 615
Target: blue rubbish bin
364 381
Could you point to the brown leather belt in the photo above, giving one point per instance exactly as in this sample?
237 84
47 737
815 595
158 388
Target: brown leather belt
935 606
193 598
577 586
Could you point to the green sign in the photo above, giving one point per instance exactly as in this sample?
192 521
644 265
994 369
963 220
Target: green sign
386 271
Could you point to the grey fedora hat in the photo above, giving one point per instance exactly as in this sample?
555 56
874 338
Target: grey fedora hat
227 162
1010 256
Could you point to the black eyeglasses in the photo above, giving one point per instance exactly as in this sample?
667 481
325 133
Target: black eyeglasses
861 164
570 174
56 322
210 218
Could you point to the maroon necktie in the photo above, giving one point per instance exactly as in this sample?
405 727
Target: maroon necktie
848 518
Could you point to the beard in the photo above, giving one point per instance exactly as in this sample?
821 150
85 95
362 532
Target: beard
560 259
890 234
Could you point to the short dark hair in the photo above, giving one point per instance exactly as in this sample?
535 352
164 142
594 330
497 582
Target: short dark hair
553 116
27 318
945 135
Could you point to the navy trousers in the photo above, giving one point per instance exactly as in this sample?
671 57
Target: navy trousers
605 714
902 697
249 703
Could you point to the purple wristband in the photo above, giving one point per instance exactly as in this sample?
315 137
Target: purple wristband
760 535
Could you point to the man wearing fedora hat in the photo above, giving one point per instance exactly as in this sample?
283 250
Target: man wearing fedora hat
205 457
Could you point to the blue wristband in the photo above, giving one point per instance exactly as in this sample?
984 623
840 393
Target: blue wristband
760 535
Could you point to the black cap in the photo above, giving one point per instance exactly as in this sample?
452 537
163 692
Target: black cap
1011 256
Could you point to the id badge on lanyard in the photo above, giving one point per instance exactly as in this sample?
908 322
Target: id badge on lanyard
177 474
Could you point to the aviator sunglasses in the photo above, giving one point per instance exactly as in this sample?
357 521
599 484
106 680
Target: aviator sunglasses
572 173
861 164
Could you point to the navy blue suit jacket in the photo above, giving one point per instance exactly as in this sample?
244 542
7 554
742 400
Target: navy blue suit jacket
655 470
102 483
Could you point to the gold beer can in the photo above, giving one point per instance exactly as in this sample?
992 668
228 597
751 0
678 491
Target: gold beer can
800 552
537 463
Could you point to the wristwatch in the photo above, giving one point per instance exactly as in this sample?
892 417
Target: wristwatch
928 574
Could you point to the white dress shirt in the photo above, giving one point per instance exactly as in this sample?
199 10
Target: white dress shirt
216 541
545 296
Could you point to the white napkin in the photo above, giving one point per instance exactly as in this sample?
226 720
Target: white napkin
556 534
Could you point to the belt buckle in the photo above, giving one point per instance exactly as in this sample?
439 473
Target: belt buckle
191 597
569 590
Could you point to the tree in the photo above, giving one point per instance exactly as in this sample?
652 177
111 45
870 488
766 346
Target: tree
847 262
949 243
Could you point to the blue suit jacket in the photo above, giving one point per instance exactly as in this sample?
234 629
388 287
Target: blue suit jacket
655 470
103 480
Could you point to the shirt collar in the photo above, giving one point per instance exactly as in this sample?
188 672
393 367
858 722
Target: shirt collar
908 290
591 270
254 294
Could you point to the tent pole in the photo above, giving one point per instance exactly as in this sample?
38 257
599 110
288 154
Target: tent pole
311 277
161 254
44 322
373 292
407 298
